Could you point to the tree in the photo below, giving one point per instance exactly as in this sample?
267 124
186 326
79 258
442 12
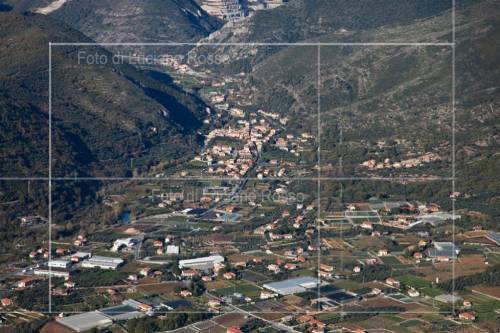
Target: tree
175 269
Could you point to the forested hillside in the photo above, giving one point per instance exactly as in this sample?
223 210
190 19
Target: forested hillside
103 115
107 120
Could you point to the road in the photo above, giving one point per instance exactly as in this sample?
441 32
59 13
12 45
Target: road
138 246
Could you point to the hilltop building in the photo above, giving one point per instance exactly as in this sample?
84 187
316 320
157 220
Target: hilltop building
228 10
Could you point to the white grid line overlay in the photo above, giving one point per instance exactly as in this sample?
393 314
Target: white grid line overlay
318 229
319 178
313 44
175 178
453 138
50 177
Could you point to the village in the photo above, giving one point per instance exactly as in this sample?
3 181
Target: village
244 235
245 142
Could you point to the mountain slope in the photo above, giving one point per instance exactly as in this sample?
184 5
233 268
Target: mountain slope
334 21
129 21
143 21
381 102
305 19
375 92
103 116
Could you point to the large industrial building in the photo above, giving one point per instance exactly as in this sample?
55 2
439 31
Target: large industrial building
52 271
102 262
122 312
292 286
201 263
59 264
86 321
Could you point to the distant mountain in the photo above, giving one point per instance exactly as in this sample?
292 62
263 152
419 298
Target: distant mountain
130 21
333 21
300 20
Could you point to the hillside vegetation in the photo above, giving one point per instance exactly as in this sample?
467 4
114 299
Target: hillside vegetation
103 115
107 120
131 21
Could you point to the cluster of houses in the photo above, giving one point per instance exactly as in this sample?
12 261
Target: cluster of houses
32 220
65 263
434 251
410 214
232 160
408 163
292 144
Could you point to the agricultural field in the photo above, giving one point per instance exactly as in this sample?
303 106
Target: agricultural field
413 281
348 285
431 292
485 307
334 244
401 297
468 265
338 225
160 288
217 285
254 277
393 262
493 258
366 243
494 292
246 289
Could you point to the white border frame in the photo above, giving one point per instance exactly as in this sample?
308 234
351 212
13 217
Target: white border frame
319 178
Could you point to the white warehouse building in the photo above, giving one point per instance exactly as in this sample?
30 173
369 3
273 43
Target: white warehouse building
123 242
85 321
292 286
102 262
59 263
173 249
201 263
